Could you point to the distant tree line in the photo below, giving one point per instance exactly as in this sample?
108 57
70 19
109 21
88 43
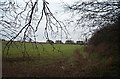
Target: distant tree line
66 42
58 42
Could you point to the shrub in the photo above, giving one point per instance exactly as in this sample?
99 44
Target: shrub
49 41
69 42
58 42
105 40
80 42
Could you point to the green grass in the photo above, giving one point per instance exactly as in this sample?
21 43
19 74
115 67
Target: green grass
43 54
43 50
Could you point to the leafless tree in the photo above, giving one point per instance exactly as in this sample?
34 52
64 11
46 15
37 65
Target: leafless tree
93 14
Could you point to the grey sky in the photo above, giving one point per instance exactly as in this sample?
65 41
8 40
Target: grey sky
57 9
56 6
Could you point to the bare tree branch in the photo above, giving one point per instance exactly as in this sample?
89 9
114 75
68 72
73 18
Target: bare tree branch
93 14
17 22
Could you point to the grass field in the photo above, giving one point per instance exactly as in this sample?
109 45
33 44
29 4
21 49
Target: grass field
62 61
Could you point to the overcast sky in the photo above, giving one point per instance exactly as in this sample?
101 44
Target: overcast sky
57 8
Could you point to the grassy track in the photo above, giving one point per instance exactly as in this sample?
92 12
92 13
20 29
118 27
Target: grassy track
64 60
